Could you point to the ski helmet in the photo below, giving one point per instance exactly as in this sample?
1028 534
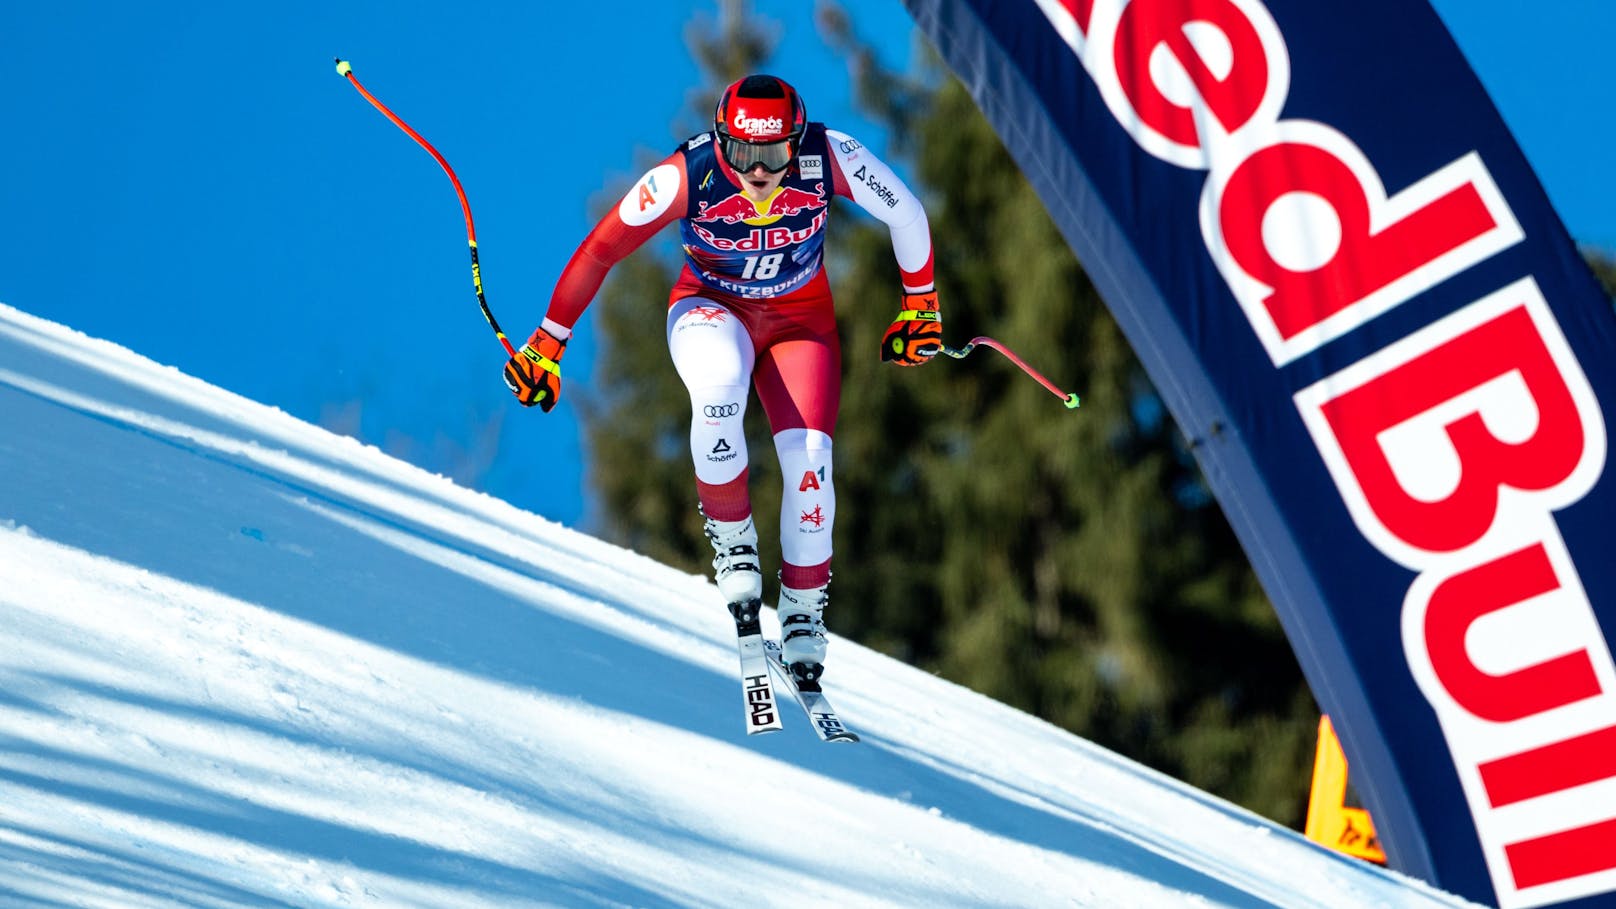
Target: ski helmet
760 120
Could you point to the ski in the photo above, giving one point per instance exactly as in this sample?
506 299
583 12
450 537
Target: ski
761 710
811 697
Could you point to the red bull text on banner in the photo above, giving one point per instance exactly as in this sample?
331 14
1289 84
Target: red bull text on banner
1395 369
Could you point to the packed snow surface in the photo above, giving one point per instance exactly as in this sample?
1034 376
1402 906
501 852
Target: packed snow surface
248 662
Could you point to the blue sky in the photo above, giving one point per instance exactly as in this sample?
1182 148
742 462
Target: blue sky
194 181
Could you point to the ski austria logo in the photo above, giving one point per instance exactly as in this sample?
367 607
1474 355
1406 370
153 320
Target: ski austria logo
701 317
1451 448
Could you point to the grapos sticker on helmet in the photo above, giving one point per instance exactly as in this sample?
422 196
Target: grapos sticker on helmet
757 126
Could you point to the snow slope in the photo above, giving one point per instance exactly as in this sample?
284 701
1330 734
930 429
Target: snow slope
250 663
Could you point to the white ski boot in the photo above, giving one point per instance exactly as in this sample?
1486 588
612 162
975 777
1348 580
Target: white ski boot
735 566
802 631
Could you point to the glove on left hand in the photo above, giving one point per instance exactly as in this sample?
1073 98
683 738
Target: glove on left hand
534 374
917 334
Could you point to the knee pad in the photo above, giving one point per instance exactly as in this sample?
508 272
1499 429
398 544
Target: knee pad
808 500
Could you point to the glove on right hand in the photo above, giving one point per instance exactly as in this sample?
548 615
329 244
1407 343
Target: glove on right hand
534 374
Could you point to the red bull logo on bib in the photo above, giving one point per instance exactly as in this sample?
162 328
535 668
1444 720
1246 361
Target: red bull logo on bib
738 207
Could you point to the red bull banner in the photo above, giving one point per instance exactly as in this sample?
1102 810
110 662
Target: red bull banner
1396 371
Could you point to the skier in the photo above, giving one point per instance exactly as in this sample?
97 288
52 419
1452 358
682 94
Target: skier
753 306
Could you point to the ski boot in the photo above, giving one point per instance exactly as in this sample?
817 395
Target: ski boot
802 631
735 567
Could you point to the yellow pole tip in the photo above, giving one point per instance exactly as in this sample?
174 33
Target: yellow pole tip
343 69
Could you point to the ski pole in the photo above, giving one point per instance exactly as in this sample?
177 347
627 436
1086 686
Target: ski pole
346 71
961 353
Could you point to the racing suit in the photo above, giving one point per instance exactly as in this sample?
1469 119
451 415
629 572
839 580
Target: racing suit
752 306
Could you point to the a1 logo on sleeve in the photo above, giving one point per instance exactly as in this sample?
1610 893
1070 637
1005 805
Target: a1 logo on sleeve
650 197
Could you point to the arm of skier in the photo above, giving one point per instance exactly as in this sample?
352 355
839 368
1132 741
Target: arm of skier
916 335
657 199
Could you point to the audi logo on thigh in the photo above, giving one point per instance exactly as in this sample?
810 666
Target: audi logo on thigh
721 410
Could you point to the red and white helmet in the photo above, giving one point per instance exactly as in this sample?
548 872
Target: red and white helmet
760 120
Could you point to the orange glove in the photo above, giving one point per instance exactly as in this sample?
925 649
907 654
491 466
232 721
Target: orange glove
534 374
917 334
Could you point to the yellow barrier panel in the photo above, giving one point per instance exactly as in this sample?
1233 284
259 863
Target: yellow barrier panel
1330 821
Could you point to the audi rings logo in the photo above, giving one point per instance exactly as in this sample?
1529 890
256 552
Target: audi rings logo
721 410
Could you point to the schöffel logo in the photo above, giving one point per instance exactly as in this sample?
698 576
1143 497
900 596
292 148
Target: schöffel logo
868 178
722 452
1451 448
721 410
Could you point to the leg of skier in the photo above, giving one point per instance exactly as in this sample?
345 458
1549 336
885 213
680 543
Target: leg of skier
798 379
714 357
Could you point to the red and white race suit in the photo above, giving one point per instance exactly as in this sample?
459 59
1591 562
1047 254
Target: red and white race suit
752 306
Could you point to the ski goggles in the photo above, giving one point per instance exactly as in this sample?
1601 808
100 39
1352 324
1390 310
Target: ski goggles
743 156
